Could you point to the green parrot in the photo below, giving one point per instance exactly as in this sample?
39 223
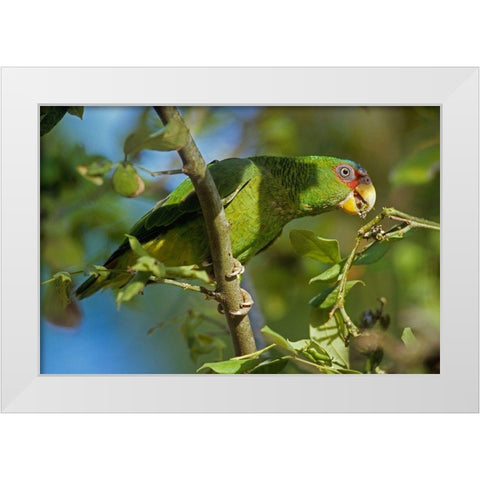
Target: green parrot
260 196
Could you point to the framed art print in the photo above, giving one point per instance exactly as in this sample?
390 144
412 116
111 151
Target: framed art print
347 280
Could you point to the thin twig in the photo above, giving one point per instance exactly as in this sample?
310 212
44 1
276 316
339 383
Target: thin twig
175 171
185 286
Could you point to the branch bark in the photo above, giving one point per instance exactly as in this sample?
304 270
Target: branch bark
218 231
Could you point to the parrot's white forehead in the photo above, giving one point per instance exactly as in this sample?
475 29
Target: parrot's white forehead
358 168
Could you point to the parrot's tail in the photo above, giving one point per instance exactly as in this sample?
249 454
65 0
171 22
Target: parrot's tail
109 278
90 286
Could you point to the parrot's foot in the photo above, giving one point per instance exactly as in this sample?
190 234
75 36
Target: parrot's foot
245 306
238 269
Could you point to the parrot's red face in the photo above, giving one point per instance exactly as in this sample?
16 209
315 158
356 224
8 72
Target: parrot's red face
362 196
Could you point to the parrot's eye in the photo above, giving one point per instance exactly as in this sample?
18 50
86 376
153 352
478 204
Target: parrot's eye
346 172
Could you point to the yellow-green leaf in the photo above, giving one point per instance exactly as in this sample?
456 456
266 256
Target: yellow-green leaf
408 338
97 270
99 166
58 307
271 366
373 254
328 275
188 271
63 287
136 246
83 171
173 137
307 244
149 264
277 339
328 297
327 335
231 366
133 288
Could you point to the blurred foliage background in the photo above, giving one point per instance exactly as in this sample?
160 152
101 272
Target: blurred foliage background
83 222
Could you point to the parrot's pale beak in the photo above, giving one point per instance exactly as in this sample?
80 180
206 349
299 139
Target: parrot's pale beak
360 200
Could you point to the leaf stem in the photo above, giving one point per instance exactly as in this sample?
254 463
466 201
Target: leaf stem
174 171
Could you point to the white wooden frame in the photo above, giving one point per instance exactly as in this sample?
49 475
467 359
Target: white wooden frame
455 389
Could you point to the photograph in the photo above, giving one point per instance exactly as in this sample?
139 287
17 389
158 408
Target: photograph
239 239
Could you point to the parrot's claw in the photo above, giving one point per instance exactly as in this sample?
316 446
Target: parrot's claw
245 306
247 299
238 269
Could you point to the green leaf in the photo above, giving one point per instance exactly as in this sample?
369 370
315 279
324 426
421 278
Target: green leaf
327 335
418 168
310 367
188 271
272 366
83 171
328 297
97 270
96 170
132 288
136 246
58 307
328 275
319 316
173 137
63 287
317 354
277 339
232 366
100 166
373 254
76 111
64 316
298 345
408 338
126 181
149 264
311 350
307 244
348 371
50 116
378 249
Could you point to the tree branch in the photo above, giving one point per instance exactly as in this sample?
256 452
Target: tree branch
373 230
218 231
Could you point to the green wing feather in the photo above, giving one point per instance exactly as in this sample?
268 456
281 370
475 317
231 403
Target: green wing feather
229 175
